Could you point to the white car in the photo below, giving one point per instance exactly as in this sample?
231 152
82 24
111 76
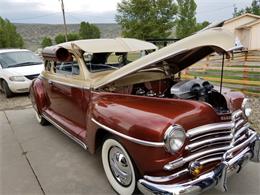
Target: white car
18 67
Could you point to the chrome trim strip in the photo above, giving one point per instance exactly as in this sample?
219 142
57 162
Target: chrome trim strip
239 123
241 130
219 133
82 144
238 156
137 141
66 84
206 161
160 179
207 141
236 115
209 128
180 162
241 145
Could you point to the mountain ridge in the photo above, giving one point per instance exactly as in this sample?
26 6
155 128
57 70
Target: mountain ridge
33 33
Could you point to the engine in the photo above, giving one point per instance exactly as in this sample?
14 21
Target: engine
196 89
191 89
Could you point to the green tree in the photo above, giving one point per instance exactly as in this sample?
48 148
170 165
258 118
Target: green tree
145 19
200 26
73 36
186 22
9 38
60 38
253 9
88 31
46 41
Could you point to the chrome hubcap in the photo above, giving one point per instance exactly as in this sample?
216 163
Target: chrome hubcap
119 166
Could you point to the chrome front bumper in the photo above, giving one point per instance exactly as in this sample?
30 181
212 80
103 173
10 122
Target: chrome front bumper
215 178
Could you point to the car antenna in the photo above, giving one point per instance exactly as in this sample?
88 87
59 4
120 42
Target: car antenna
231 50
222 71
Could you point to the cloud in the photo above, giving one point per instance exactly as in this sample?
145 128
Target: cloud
99 11
34 11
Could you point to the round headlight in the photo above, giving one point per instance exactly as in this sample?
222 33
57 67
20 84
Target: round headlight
174 138
246 107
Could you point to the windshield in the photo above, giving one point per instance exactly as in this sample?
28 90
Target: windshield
18 59
97 62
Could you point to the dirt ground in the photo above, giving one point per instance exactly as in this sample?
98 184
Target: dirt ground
22 100
16 102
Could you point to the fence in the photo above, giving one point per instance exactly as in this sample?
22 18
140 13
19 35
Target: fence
241 71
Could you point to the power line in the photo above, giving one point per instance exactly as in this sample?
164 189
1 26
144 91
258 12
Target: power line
32 18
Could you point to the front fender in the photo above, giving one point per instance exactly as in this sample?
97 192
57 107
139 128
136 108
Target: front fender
147 119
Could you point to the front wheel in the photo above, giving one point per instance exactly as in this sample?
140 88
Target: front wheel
8 93
118 167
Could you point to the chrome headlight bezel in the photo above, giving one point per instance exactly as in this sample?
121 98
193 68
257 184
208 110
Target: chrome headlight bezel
246 107
174 138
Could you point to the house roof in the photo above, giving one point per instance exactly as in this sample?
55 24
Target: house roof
249 24
244 15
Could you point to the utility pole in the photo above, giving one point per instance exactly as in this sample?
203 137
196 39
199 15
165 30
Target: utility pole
64 20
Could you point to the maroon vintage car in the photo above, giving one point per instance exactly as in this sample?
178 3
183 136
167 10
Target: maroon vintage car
159 133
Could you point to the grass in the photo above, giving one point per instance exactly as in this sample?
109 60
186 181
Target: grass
225 76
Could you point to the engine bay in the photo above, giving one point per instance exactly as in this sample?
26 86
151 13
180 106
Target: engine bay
195 89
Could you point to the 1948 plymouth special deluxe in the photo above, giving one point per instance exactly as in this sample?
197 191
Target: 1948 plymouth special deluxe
158 133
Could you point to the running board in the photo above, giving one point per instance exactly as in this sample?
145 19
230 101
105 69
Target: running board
82 144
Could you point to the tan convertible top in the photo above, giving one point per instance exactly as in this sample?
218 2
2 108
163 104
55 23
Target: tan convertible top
178 55
110 45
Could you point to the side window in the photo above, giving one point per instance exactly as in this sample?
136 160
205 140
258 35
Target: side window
47 65
66 68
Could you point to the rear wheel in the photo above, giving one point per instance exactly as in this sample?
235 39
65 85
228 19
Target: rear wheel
40 119
118 167
8 93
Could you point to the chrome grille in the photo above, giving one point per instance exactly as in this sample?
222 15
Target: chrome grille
216 136
209 143
216 142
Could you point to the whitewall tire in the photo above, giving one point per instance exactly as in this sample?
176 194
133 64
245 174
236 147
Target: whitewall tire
118 167
40 119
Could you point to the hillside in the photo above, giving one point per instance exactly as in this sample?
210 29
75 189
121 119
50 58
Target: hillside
33 33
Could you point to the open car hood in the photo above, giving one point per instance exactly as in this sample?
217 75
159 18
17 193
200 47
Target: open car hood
177 56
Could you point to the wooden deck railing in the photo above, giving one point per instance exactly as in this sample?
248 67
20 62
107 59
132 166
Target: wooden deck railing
241 71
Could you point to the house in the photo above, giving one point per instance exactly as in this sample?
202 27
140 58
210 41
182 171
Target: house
246 29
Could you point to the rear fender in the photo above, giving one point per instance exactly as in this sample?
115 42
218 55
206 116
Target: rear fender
38 95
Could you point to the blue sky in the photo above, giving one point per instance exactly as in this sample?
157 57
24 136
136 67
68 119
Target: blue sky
99 11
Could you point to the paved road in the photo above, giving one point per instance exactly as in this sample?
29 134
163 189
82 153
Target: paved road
41 160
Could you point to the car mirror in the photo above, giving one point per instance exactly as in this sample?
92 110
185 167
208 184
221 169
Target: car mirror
87 57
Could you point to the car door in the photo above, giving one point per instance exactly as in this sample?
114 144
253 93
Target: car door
68 100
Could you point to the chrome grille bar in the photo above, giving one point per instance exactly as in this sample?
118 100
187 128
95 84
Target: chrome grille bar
180 162
209 128
208 141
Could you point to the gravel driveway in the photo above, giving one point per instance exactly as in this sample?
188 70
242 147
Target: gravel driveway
19 101
22 100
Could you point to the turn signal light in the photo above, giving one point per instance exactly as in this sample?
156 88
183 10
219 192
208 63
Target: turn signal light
195 168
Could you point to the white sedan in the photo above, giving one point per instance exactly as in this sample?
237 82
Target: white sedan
18 67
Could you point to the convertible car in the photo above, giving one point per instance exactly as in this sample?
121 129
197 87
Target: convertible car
158 133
